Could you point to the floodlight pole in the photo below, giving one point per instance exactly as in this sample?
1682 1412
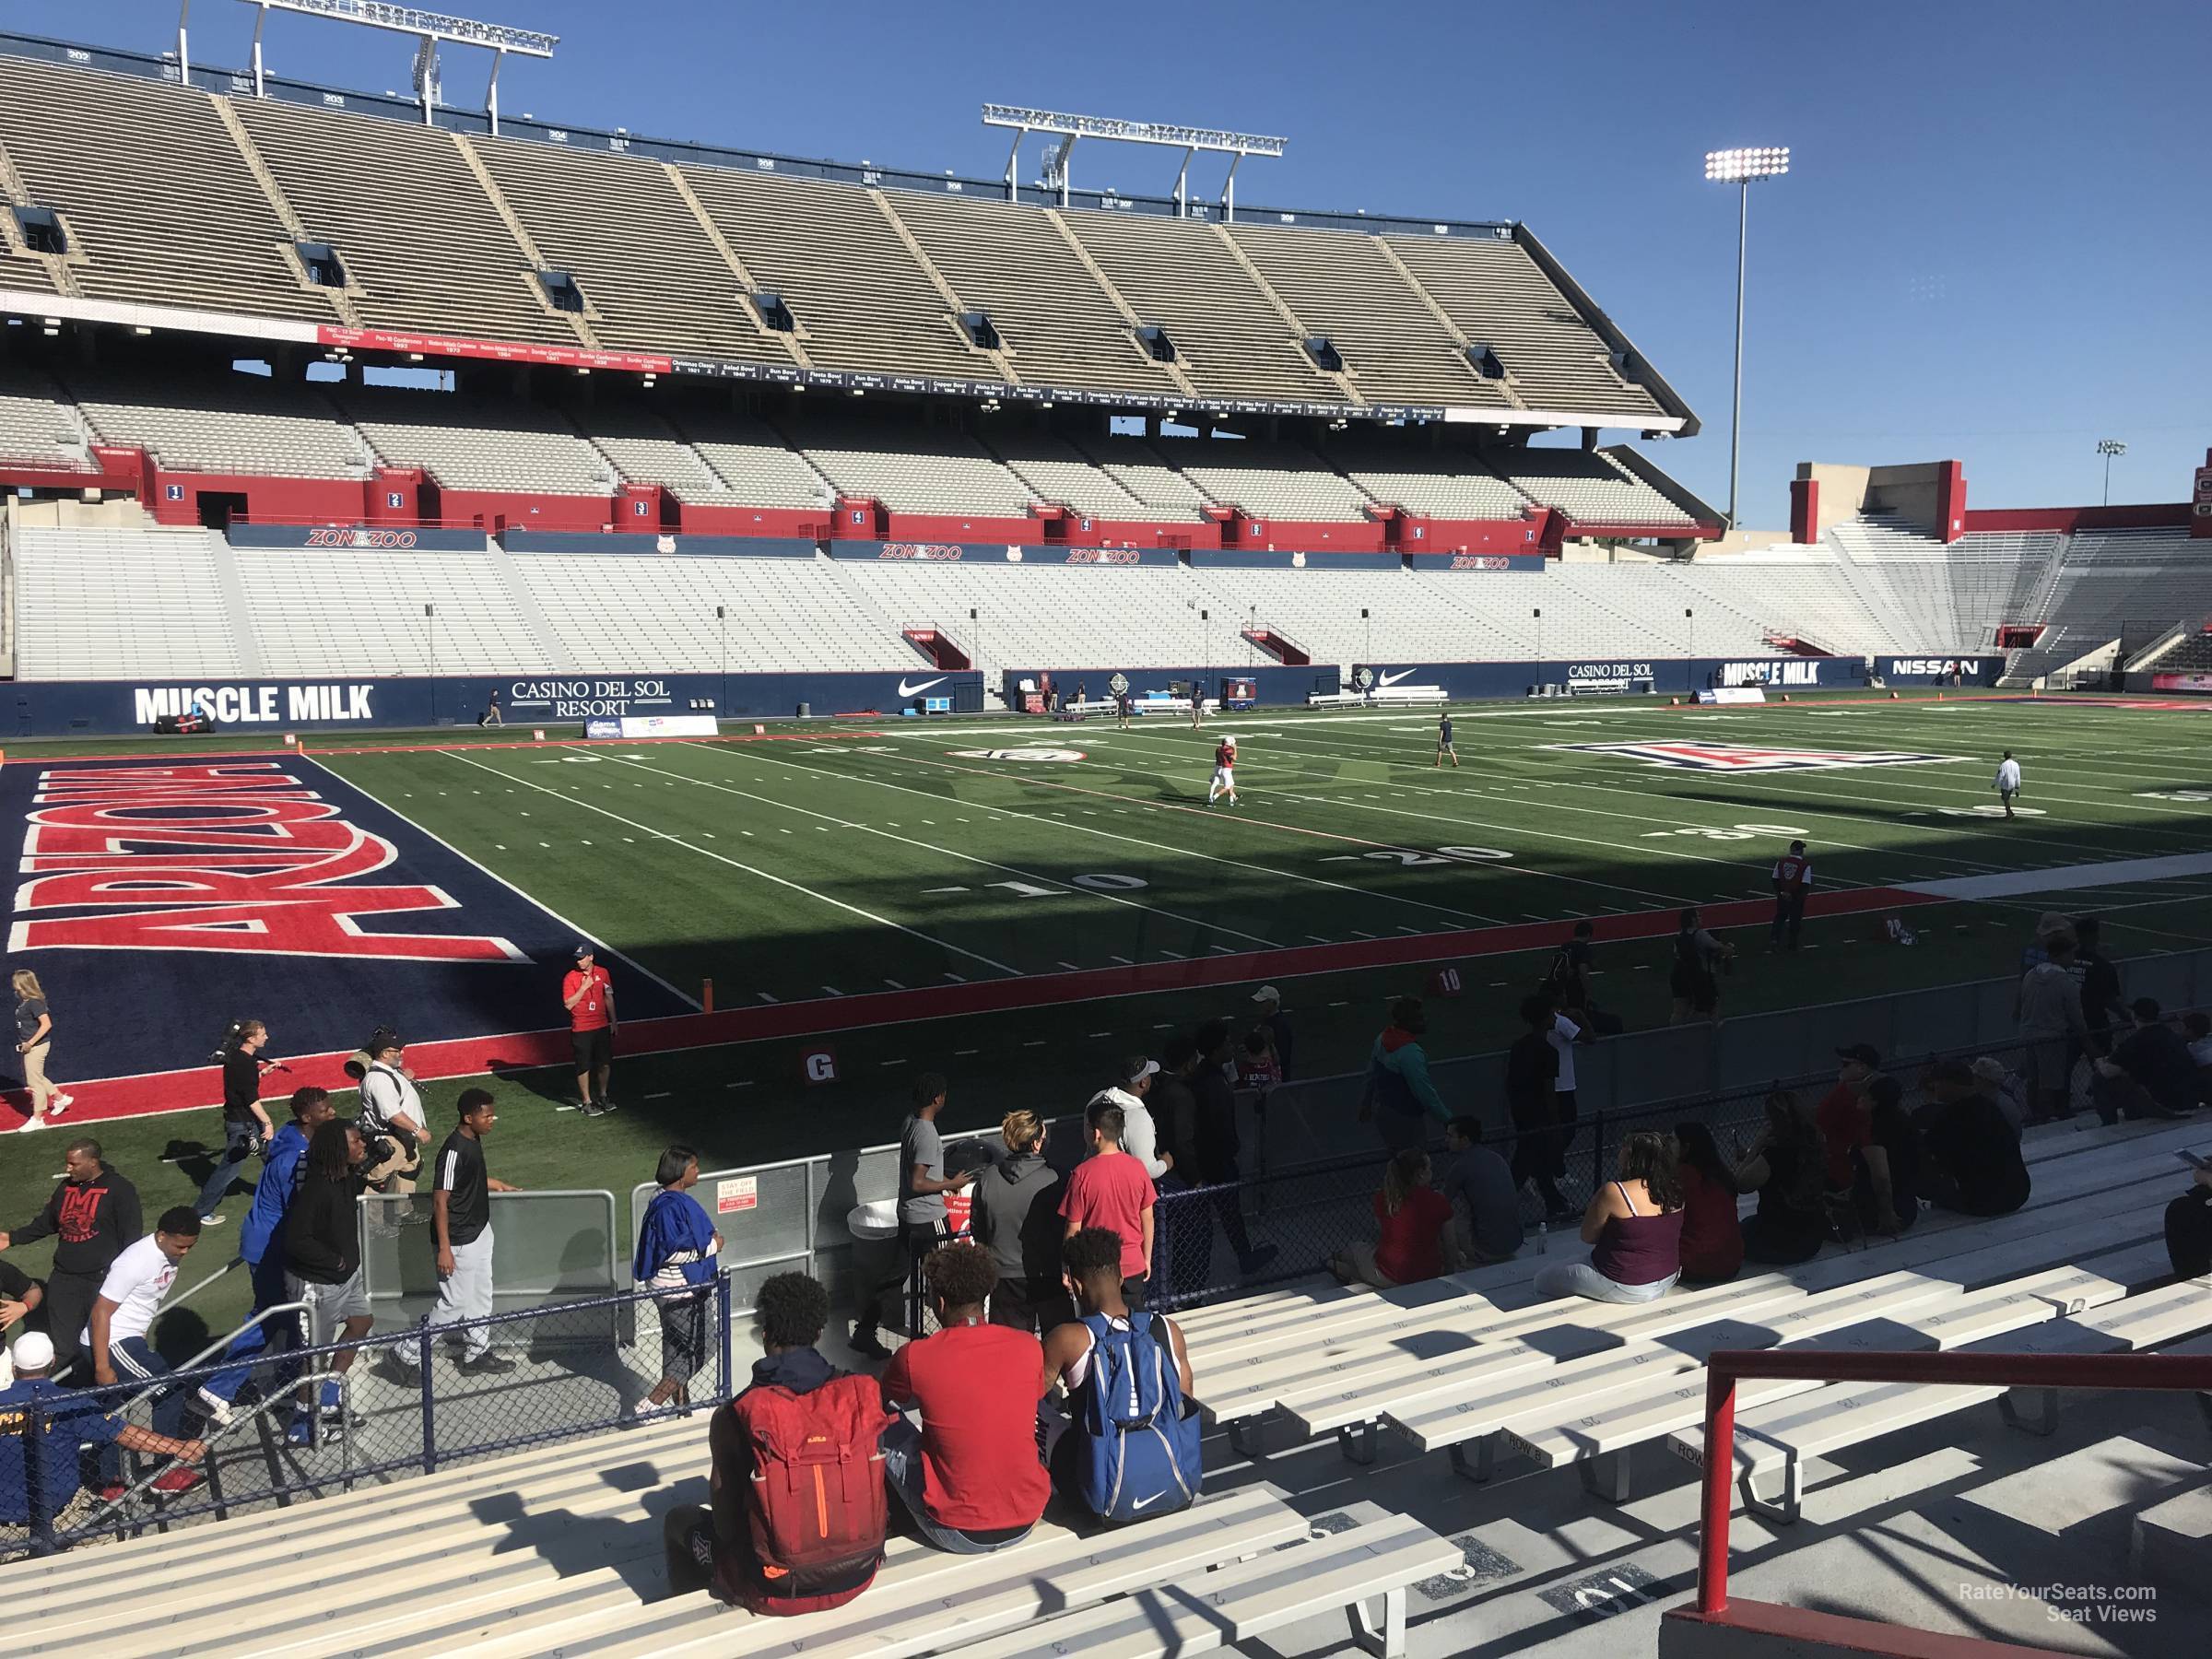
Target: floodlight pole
184 42
2108 448
1735 416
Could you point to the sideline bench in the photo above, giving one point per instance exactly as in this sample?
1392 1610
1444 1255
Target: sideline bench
1835 1417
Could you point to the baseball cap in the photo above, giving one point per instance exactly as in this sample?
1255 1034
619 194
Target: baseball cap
1950 1071
1796 846
1267 993
584 950
1137 1068
33 1351
1865 1054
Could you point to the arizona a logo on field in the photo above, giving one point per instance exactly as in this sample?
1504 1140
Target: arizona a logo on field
1747 758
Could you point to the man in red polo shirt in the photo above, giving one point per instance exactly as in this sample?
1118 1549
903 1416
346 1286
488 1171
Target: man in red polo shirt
589 996
969 1476
1110 1189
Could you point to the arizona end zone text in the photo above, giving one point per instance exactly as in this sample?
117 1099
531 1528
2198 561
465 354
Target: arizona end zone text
236 857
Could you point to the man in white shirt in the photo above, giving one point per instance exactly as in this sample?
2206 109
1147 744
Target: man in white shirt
2008 782
1140 1135
392 1121
123 1316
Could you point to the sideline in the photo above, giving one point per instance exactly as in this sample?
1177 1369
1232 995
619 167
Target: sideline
154 1094
2066 879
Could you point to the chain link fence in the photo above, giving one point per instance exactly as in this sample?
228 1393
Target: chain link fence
1301 1214
408 1404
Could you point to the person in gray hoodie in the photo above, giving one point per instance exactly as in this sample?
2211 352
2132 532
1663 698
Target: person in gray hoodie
1017 1218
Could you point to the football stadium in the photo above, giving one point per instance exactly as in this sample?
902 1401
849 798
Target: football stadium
772 904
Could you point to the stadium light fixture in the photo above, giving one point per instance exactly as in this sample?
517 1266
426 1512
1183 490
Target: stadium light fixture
428 27
1742 168
2108 448
1190 140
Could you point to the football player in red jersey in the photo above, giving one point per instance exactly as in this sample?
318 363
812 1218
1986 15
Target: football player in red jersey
1225 772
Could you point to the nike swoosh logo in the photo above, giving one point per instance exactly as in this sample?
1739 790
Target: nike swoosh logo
907 690
1391 680
1142 1501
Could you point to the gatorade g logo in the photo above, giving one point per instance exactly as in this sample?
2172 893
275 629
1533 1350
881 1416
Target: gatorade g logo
819 1065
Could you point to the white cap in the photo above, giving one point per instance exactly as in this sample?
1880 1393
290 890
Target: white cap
1145 1068
33 1351
1230 740
1267 993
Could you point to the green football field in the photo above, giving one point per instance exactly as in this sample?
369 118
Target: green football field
846 859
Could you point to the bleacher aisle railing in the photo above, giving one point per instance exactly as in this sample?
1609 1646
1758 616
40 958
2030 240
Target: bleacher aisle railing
405 1407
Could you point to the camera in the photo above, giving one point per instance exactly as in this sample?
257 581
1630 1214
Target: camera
357 1064
231 1033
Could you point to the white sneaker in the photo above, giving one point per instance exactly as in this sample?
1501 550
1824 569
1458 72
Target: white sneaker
214 1220
28 1124
214 1408
57 1104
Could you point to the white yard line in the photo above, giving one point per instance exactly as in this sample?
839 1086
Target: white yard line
1137 841
736 864
989 864
536 902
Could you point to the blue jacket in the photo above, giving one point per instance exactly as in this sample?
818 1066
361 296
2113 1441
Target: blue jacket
674 1222
1397 1077
273 1192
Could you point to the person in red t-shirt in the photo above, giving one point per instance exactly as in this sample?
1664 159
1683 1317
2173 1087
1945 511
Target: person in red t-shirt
1110 1189
1413 1216
589 996
1713 1238
1843 1116
969 1476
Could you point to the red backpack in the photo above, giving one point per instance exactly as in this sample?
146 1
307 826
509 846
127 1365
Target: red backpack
817 1493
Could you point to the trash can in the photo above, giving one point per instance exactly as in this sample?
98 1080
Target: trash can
805 710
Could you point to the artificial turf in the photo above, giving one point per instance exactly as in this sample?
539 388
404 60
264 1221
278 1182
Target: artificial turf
870 857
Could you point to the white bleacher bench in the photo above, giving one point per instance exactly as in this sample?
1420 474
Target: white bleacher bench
1618 1386
560 1550
1335 1362
1785 1435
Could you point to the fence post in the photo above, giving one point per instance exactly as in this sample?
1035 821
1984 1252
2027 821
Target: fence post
1597 1154
430 1427
34 1475
722 1315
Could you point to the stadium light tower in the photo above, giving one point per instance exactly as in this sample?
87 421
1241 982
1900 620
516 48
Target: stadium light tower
1742 168
1068 128
428 27
2108 448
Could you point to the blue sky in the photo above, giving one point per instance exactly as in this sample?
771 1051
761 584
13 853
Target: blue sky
1996 242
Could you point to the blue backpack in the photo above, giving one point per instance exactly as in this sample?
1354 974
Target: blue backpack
1139 1453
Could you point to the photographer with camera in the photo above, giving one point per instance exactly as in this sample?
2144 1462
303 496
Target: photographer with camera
391 1117
246 1126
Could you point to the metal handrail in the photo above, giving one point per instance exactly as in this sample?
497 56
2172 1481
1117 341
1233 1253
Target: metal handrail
163 1466
219 1344
2174 1373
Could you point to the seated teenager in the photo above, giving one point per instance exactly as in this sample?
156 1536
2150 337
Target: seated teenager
778 1540
1974 1163
1413 1216
1887 1164
969 1476
1633 1226
1486 1209
1786 1167
2152 1073
1713 1242
1124 1445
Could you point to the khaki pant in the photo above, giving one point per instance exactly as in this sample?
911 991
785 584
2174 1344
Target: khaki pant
34 1074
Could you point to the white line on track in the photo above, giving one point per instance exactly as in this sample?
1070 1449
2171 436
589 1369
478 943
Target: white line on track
736 864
